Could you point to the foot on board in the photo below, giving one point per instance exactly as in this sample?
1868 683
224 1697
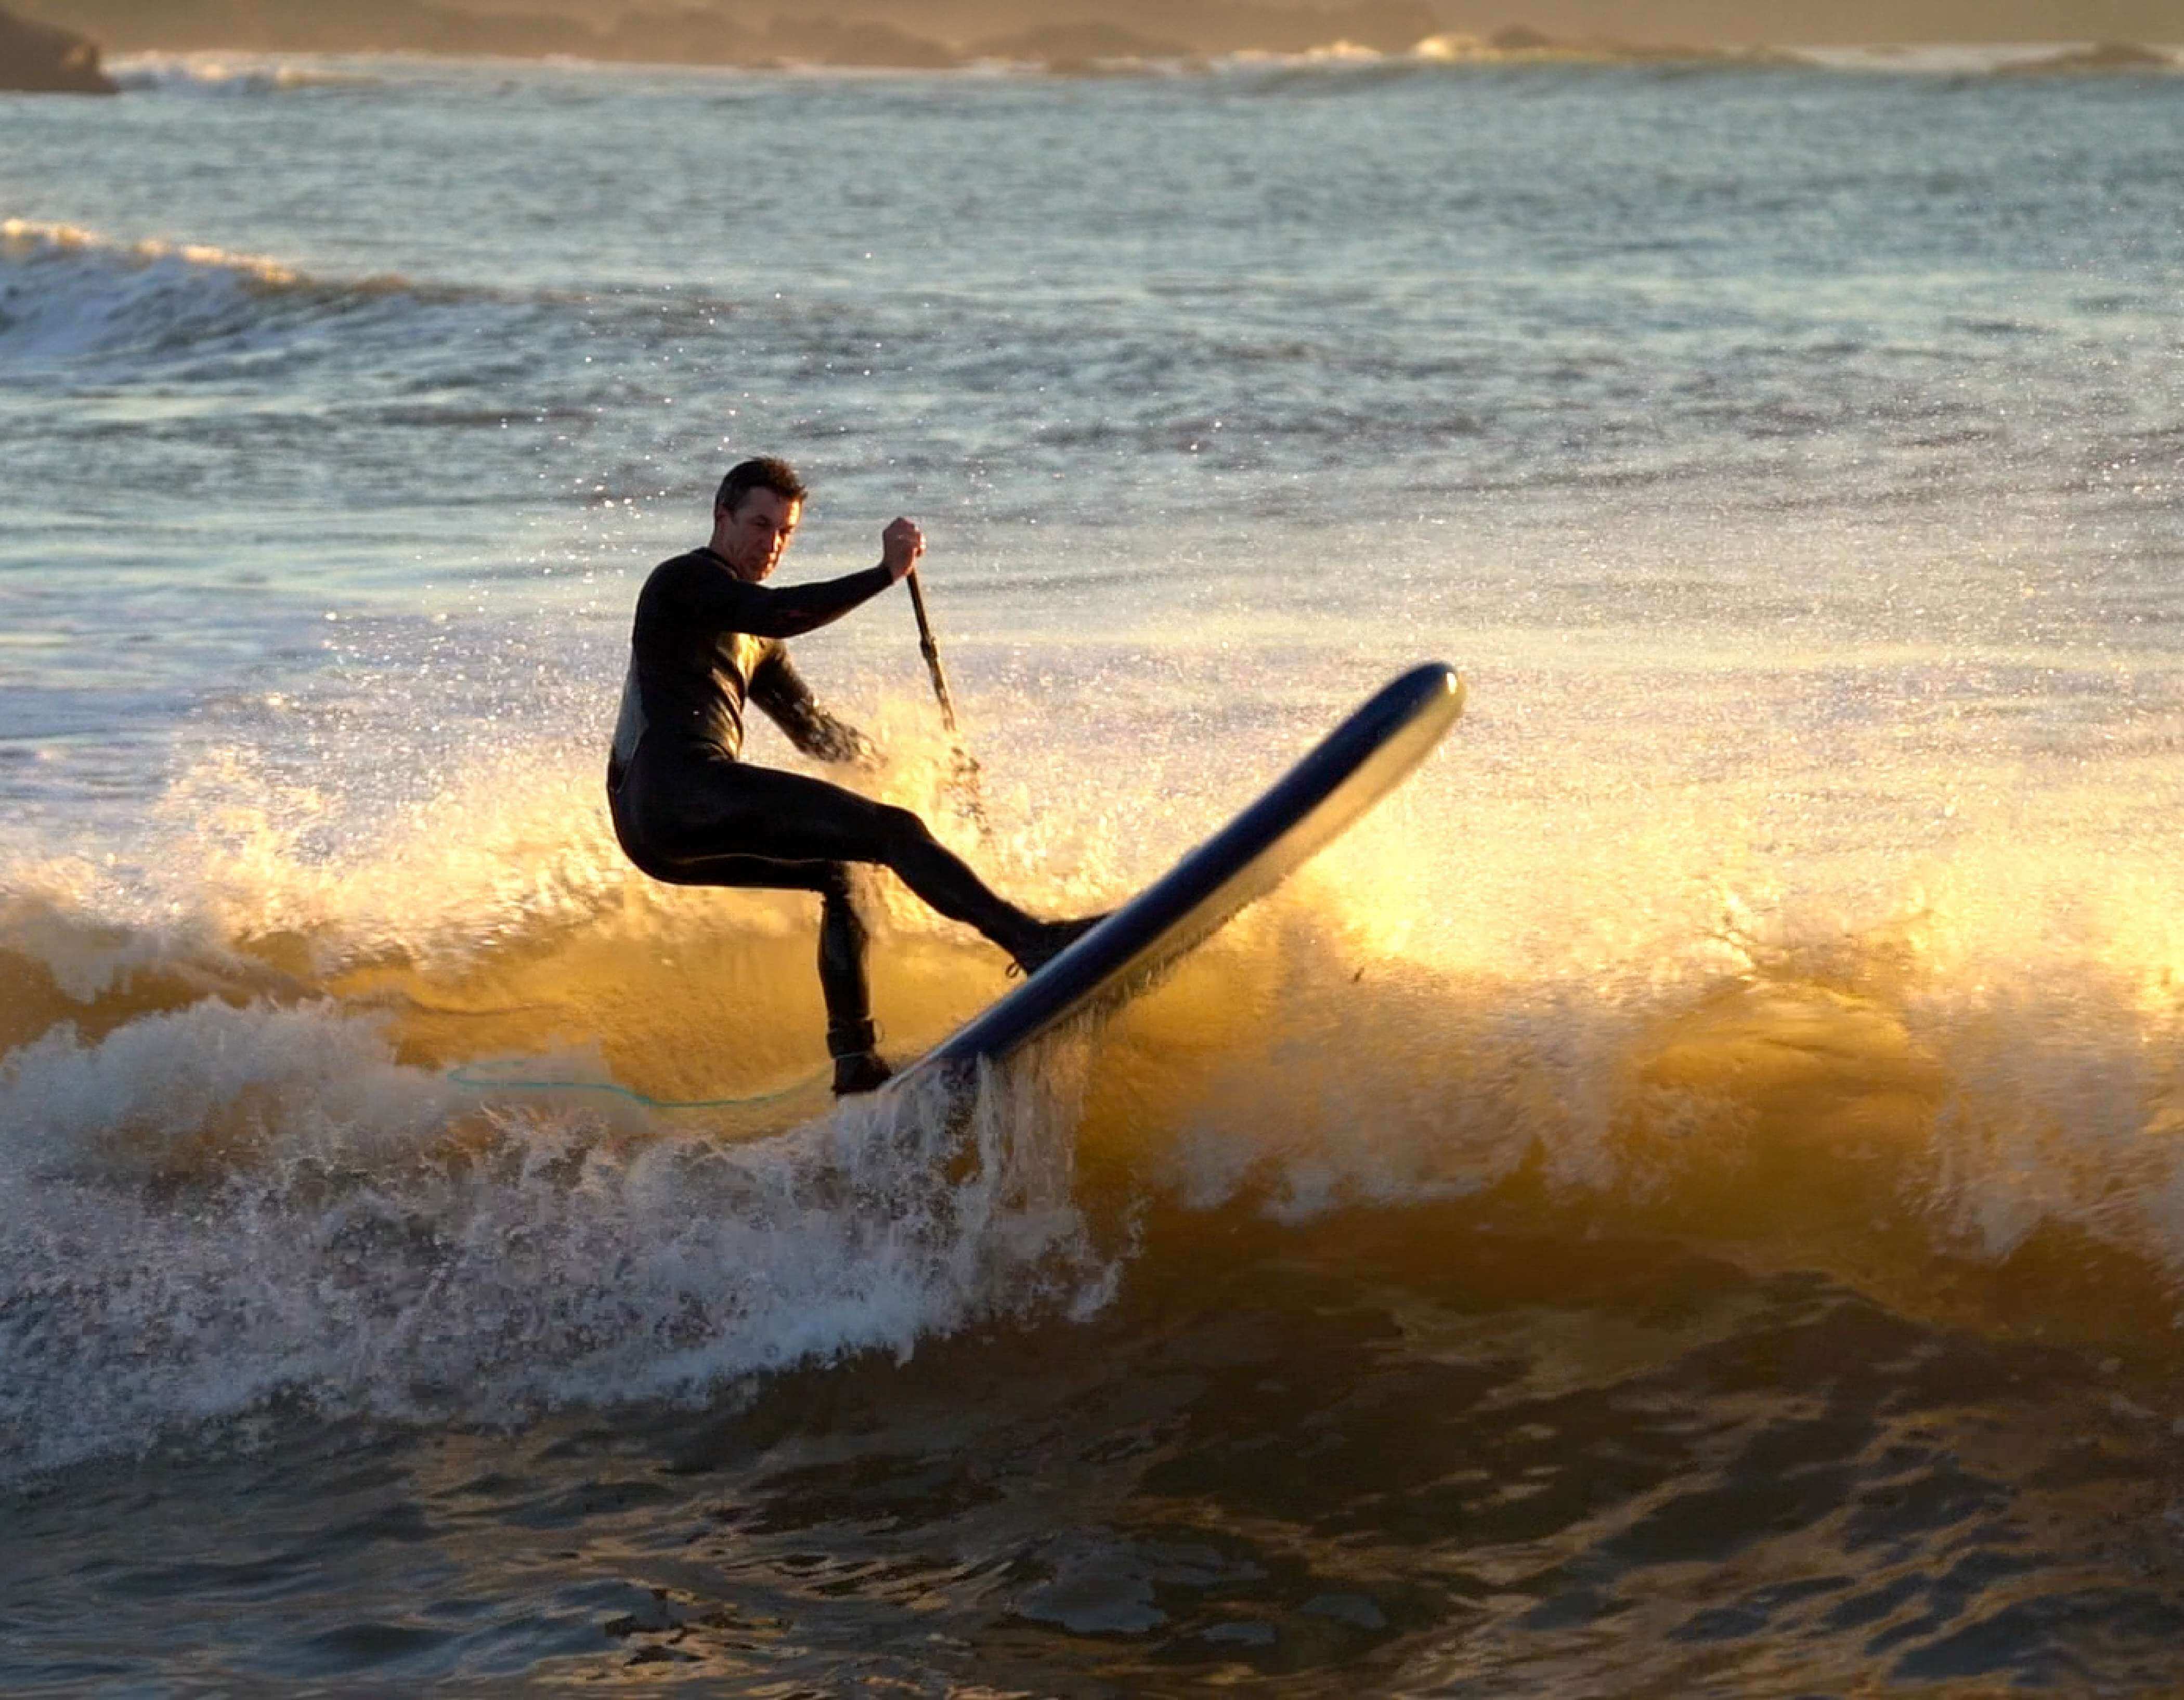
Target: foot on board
860 1071
1052 938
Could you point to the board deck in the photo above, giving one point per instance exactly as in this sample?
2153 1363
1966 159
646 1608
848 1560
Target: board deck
1356 765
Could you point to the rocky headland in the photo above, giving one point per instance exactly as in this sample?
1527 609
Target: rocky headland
1521 44
1082 36
45 59
2108 58
1108 32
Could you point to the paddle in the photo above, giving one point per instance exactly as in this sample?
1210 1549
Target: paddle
963 765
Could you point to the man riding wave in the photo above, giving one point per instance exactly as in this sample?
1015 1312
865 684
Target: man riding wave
709 637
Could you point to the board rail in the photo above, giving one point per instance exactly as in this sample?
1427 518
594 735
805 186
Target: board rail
1340 778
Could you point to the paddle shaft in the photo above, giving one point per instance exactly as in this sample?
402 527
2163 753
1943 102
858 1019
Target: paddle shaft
963 769
930 648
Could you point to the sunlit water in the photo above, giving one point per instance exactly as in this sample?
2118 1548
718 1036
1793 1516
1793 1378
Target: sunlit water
1687 1198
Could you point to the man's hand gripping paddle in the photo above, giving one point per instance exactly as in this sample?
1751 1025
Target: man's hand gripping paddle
963 765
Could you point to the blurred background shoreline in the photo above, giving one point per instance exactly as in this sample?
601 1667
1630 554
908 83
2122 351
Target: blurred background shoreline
1093 35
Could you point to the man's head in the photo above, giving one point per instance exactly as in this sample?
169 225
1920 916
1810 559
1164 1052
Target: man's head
755 512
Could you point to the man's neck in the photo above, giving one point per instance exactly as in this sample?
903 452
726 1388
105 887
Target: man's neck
733 570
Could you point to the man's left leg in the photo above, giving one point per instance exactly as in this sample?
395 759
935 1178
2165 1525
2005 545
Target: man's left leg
723 823
852 1035
852 1038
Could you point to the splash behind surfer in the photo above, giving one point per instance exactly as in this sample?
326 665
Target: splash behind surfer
708 638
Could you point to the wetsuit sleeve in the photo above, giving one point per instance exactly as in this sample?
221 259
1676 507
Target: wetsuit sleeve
731 605
779 689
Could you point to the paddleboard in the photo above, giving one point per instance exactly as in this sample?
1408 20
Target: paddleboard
1356 765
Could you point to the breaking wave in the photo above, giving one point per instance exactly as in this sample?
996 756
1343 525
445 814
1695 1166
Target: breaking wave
280 1127
228 76
72 299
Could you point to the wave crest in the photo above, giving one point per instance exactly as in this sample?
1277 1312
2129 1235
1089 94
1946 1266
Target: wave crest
224 76
80 303
243 1110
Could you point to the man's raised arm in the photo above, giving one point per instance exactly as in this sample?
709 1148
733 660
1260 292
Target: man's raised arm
790 611
736 605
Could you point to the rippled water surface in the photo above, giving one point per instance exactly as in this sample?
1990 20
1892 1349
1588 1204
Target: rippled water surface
1683 1200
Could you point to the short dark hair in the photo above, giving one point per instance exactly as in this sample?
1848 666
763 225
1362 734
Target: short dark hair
766 472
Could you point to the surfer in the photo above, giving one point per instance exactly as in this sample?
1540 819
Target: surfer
708 638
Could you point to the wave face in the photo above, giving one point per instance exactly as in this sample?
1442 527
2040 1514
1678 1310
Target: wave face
79 302
74 297
1683 1198
250 1069
1542 1203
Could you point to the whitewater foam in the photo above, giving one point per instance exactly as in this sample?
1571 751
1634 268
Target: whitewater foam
327 1229
33 239
232 1069
225 76
79 302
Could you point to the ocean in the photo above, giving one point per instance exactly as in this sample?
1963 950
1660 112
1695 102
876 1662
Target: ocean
1687 1198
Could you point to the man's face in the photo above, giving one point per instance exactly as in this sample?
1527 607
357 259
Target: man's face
752 537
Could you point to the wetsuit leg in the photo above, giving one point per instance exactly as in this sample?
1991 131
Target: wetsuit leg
693 819
842 979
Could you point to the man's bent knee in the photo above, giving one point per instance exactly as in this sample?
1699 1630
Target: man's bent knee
902 829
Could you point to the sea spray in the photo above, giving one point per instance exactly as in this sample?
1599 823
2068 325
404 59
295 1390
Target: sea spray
197 1224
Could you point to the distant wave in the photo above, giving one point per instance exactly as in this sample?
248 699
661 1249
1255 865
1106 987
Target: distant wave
228 75
1458 53
1349 62
224 76
68 294
30 239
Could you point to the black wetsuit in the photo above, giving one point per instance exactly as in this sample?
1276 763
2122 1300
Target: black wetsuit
687 811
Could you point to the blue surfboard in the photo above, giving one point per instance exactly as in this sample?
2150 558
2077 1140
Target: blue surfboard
1356 765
